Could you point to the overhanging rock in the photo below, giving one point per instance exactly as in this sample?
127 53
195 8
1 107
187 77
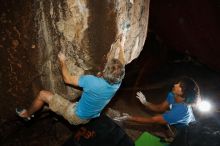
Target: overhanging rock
86 31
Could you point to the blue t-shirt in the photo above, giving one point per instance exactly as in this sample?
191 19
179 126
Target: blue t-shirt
95 96
179 114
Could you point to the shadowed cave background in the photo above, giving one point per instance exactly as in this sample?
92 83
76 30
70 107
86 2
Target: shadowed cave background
182 38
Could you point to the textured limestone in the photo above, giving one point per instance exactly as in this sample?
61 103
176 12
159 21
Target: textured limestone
86 31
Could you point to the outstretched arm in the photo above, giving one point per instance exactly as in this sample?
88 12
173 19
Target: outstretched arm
67 77
162 107
121 56
155 119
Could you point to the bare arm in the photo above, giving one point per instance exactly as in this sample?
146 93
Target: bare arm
155 119
162 107
121 56
67 77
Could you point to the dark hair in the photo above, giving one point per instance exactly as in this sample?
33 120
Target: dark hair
190 90
114 71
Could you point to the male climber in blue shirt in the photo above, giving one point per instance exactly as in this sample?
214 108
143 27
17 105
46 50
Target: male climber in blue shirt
176 109
96 94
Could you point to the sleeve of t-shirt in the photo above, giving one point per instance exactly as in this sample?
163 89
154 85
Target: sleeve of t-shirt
170 98
178 114
84 80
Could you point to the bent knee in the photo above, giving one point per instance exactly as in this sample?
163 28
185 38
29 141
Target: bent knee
45 95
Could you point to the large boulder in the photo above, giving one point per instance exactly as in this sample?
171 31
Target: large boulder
86 31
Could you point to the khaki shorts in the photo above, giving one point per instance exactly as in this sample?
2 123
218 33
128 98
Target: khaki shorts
65 108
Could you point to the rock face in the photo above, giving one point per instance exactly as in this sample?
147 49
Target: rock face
86 31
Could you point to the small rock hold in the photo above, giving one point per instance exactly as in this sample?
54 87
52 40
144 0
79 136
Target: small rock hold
15 43
33 46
